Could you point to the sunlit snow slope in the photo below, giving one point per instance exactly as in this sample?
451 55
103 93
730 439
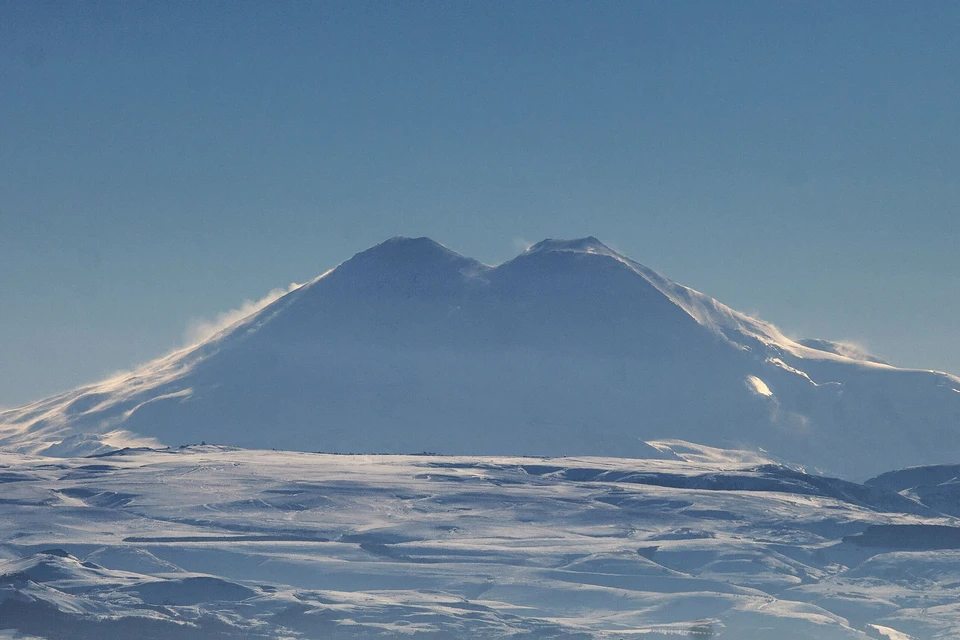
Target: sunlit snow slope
568 349
208 542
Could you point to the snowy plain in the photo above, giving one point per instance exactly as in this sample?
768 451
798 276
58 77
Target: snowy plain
215 542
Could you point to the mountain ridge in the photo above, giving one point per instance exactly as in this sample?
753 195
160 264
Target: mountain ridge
568 348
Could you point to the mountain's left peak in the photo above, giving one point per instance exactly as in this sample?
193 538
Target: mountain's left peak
401 250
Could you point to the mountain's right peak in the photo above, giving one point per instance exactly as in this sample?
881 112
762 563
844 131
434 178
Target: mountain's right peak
577 245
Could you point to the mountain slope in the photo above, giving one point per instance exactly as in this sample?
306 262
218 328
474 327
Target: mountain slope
569 348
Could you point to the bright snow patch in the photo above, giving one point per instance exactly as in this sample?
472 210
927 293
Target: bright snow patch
758 386
702 454
890 634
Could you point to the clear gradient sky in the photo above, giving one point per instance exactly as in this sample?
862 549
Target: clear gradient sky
160 162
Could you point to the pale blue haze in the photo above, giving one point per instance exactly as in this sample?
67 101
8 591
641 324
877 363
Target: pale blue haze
161 162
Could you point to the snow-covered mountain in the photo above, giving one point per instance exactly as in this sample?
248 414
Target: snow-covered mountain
568 349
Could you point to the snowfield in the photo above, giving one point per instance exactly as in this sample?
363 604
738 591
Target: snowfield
216 542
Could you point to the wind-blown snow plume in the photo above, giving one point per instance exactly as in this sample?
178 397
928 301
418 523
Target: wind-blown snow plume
199 329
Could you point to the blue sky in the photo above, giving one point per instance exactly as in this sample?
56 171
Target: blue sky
162 162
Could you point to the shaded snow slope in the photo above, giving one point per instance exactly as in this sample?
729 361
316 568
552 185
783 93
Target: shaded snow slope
213 542
569 348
